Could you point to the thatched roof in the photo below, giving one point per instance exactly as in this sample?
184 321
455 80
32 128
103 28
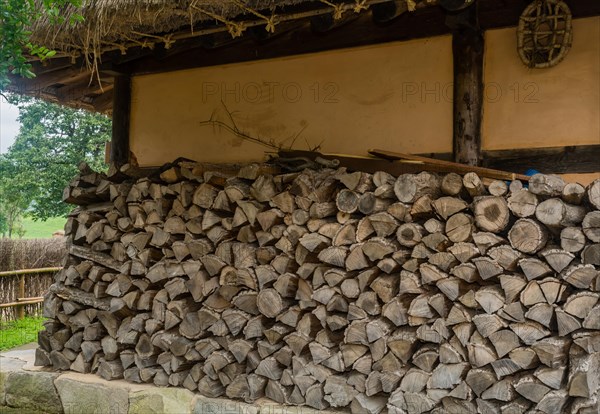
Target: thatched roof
122 24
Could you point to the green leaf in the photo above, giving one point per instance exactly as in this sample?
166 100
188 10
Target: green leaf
15 17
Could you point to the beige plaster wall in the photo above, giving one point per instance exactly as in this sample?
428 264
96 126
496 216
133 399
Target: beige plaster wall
583 179
395 96
550 107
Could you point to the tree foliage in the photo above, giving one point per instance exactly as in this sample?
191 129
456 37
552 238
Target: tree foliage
16 18
51 143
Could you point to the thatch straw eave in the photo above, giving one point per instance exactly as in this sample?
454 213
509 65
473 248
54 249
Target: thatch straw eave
122 24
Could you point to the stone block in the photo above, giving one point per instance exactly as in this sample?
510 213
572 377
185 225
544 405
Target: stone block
204 405
93 397
33 391
161 400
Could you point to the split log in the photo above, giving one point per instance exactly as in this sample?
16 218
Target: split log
452 184
591 226
498 188
491 213
593 194
447 206
555 213
459 228
591 254
409 187
347 201
473 184
558 259
522 203
573 193
410 234
546 185
572 239
270 303
370 203
527 236
580 276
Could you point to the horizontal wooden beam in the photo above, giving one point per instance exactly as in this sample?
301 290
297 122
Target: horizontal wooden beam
30 271
24 302
555 160
548 160
495 14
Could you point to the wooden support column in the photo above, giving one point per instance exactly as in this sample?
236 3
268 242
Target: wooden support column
119 145
467 48
21 295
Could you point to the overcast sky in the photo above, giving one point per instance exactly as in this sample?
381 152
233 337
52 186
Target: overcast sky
9 126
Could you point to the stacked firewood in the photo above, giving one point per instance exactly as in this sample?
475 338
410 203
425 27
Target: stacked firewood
329 288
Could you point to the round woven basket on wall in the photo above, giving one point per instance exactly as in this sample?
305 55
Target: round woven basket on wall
545 33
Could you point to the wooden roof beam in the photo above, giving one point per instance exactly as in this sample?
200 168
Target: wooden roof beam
323 23
42 81
77 90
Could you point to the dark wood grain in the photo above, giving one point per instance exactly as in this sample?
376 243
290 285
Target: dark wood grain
119 148
467 51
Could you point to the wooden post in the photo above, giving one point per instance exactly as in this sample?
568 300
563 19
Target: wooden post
30 271
21 309
119 147
467 48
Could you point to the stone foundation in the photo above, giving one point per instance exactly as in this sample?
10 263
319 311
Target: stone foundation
35 389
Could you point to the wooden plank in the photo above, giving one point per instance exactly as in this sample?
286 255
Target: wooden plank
20 310
83 298
467 50
21 304
549 160
100 258
102 102
79 89
30 271
448 166
121 104
495 14
36 86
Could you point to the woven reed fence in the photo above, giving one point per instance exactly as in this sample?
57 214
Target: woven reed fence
27 254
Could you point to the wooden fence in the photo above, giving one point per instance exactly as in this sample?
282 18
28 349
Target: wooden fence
22 301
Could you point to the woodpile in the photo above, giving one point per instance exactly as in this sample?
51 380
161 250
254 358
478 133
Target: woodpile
416 294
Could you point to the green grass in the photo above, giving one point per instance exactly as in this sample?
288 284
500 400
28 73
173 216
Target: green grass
16 333
42 229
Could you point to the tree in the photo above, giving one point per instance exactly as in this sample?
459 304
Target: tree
16 18
11 215
51 143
